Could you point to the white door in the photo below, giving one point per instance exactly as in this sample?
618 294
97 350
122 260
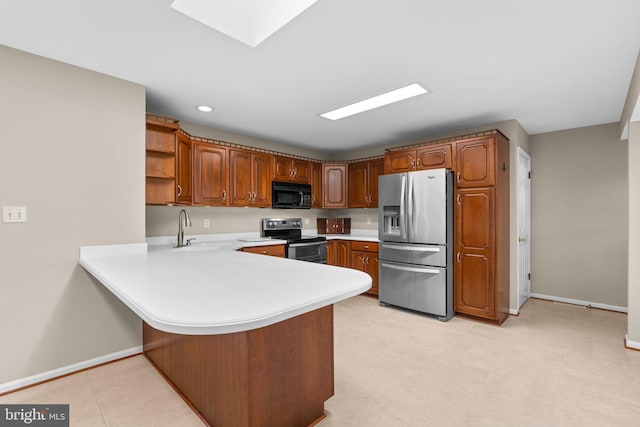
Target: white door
524 227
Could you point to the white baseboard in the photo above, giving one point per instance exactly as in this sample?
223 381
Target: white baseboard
44 376
581 302
514 311
631 344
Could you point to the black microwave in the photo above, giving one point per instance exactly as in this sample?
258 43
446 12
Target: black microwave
290 195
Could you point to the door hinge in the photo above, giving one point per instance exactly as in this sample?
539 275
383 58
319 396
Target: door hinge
529 175
529 276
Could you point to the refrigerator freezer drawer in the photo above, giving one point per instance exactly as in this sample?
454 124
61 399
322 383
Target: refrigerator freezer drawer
414 287
414 254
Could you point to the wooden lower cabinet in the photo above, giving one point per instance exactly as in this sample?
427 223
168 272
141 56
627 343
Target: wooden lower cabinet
474 269
339 253
272 250
355 254
364 257
278 375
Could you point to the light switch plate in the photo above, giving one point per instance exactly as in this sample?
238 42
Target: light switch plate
14 214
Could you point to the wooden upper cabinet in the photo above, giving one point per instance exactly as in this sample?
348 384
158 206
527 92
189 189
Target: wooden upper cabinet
363 183
249 178
240 191
475 163
334 185
210 174
434 157
160 162
261 179
301 171
184 166
358 184
376 168
399 161
291 169
316 184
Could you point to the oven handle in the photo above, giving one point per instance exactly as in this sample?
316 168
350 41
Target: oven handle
411 269
299 245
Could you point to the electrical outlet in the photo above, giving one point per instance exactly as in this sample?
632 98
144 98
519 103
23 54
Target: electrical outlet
306 221
368 220
14 214
207 223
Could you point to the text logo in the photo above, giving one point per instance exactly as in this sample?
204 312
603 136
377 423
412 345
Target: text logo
34 415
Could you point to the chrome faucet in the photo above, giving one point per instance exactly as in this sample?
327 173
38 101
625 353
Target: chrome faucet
183 222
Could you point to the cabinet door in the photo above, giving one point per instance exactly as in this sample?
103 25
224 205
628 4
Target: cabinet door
474 278
301 172
358 184
376 168
316 184
358 260
334 185
343 251
261 179
210 181
434 157
399 161
332 252
475 163
184 166
239 177
282 168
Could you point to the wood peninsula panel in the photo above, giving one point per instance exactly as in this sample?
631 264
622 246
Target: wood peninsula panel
272 250
278 375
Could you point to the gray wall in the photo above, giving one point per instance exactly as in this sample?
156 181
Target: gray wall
580 214
73 153
633 321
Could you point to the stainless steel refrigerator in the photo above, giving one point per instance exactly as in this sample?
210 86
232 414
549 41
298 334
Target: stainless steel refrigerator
415 229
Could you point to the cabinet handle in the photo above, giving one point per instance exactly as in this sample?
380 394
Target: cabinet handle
265 252
458 256
179 190
458 177
366 246
458 199
413 162
295 171
224 194
366 261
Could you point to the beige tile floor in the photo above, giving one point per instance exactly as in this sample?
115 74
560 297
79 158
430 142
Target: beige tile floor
554 365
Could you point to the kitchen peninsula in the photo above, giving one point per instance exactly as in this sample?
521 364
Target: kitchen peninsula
247 339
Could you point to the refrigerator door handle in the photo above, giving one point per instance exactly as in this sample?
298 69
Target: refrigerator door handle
411 269
411 248
403 219
410 203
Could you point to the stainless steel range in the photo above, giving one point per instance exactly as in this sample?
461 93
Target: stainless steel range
304 248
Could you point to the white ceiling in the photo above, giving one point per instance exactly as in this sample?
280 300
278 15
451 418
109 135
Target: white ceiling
549 64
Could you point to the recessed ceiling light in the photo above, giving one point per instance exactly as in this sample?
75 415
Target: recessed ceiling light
249 21
377 101
205 108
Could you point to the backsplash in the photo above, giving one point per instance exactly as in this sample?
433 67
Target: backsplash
163 220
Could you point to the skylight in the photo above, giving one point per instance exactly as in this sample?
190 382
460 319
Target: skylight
249 21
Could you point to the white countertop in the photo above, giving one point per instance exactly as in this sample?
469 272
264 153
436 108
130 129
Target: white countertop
210 288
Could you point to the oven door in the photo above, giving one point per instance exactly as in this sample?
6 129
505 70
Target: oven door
309 251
